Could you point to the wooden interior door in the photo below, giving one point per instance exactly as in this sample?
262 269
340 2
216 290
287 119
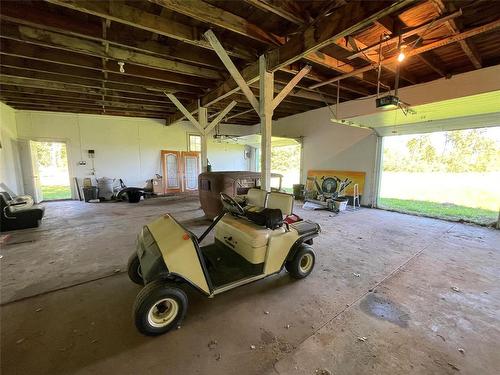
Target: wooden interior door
191 170
172 171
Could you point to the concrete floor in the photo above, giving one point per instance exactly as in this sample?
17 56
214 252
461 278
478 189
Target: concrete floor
380 300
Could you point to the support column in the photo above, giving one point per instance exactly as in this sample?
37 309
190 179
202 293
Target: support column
203 121
266 119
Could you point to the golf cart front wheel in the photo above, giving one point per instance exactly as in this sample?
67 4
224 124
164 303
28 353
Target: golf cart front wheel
134 269
159 307
302 263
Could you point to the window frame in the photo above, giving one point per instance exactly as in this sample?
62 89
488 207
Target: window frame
189 135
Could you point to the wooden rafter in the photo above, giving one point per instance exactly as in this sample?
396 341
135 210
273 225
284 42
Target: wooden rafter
127 15
56 22
417 51
73 44
454 27
58 58
279 10
326 30
206 12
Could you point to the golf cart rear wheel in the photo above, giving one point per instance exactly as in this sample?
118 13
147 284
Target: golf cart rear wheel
134 269
302 263
159 307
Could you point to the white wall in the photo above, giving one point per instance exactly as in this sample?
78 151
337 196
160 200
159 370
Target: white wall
10 170
127 148
331 146
334 146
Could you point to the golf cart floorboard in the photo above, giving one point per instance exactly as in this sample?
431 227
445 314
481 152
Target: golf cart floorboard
226 266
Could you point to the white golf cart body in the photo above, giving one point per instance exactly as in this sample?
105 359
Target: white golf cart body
241 253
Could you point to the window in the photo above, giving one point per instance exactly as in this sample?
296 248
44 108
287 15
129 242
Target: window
194 142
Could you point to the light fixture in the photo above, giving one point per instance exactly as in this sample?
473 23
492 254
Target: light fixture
121 65
401 55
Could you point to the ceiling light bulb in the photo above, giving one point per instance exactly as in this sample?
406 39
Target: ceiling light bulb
121 65
401 56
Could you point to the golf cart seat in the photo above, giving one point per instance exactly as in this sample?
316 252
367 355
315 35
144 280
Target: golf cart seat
256 197
245 237
282 201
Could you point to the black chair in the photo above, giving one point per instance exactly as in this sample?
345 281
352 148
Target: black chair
18 214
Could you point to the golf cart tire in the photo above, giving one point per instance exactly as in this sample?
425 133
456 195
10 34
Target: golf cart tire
302 263
133 268
145 301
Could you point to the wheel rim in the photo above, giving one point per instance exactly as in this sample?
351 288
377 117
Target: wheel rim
306 263
139 272
163 312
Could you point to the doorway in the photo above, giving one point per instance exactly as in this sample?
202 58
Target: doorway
50 171
450 175
181 170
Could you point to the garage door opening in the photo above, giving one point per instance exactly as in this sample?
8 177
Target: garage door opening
452 175
50 167
285 160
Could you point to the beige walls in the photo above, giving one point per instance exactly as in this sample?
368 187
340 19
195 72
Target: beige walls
327 145
127 148
10 170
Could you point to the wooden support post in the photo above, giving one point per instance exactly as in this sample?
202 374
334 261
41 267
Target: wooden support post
266 119
203 120
202 124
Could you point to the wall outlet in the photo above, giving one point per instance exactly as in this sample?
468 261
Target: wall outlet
82 163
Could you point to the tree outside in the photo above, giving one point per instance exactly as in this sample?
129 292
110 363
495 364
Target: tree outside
444 174
52 166
286 161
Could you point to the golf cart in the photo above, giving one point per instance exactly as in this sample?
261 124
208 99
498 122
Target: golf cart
250 243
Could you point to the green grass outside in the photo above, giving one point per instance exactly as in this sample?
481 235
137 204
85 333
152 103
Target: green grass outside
446 211
56 192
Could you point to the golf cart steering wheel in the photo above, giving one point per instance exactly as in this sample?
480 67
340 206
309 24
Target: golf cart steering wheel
230 205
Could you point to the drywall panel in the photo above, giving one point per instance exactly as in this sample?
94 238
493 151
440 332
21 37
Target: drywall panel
327 145
218 153
127 148
10 168
462 85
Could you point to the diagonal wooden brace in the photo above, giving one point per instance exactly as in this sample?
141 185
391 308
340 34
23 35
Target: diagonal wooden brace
226 60
290 85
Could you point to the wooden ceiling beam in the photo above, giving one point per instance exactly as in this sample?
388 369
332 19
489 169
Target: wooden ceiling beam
26 55
55 22
425 48
406 33
111 77
62 84
346 20
10 95
279 10
28 107
73 105
428 60
325 31
455 27
134 17
205 12
373 58
27 92
63 92
130 84
73 44
351 88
